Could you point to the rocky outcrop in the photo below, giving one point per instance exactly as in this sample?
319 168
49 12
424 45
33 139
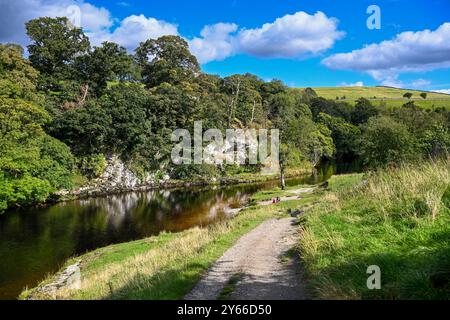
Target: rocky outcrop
69 278
118 178
117 175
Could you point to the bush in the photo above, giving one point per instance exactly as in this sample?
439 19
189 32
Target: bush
92 166
23 192
386 142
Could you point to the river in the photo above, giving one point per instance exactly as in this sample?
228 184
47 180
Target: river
35 242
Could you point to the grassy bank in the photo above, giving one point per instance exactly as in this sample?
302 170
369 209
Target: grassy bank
162 267
392 97
396 219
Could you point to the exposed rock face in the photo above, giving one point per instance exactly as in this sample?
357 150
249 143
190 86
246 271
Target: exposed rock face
116 178
117 175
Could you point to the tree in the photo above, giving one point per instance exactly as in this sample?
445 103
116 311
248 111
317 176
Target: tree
363 111
385 141
32 164
17 77
408 95
244 101
345 136
313 140
131 114
271 88
55 45
424 95
309 94
108 63
287 106
86 129
166 59
331 107
173 107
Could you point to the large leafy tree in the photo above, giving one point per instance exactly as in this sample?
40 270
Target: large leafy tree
17 76
85 129
331 107
55 45
313 140
345 136
129 108
364 110
385 141
107 63
244 100
166 59
283 107
32 164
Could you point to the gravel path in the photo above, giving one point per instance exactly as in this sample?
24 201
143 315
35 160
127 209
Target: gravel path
259 258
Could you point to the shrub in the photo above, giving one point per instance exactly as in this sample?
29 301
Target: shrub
385 142
92 166
23 192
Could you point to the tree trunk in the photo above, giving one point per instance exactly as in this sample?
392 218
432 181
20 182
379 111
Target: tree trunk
233 102
282 179
253 111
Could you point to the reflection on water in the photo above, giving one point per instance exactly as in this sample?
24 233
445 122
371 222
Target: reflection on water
36 241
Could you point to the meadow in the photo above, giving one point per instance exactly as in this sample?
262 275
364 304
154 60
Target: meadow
385 96
396 219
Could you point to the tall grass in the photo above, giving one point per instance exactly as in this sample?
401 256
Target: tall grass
412 190
397 219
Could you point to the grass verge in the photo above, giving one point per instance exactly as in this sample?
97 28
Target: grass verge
397 219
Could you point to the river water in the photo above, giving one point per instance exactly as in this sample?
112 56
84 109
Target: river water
35 242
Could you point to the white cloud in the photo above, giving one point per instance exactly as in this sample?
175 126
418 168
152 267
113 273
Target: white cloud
408 52
134 30
393 82
291 36
217 42
420 83
123 4
446 91
356 84
14 15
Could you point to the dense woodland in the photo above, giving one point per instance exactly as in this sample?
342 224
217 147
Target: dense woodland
67 105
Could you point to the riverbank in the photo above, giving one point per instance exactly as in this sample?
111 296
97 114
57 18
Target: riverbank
95 190
167 266
397 220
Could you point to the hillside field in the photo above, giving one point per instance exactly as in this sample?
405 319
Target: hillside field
392 97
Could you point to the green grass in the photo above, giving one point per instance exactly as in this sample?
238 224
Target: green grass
396 219
230 287
392 97
162 267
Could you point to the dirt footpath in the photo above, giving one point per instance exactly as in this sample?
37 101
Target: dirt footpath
261 266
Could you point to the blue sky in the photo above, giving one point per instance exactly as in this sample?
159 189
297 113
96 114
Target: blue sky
420 59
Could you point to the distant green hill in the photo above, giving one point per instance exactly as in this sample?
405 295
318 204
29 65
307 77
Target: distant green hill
390 96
